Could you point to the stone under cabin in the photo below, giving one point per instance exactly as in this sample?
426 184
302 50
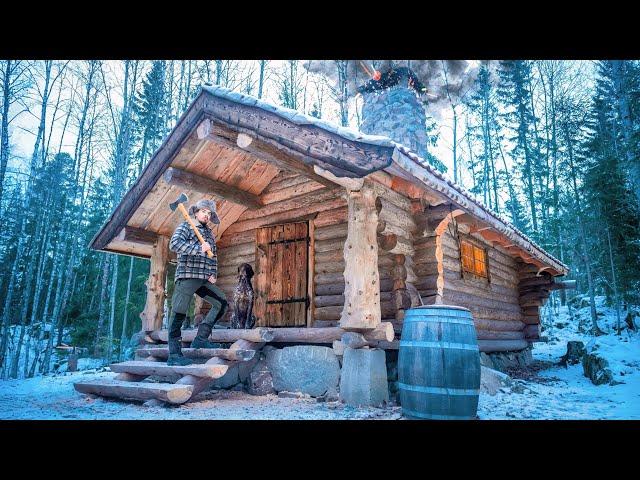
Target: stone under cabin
345 231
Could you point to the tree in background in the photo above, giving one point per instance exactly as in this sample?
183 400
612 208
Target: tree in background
515 93
150 108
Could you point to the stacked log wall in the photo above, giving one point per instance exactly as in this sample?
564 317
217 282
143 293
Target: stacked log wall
533 288
330 234
396 229
292 198
494 302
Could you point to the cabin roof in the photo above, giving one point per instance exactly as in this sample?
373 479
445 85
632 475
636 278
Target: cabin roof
309 143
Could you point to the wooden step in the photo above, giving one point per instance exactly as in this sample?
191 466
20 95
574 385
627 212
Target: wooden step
224 353
167 392
223 335
159 368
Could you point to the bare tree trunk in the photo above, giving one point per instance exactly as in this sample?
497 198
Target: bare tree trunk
123 335
263 65
4 122
36 297
615 284
94 294
112 313
512 193
595 330
101 305
26 299
342 91
14 284
54 271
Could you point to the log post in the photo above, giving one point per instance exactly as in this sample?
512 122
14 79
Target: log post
154 307
362 281
440 229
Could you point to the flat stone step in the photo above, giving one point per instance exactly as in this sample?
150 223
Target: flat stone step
224 353
159 368
166 392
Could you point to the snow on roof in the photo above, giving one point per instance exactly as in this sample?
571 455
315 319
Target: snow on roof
355 135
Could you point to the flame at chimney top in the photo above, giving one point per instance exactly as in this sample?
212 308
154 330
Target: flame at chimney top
396 76
392 108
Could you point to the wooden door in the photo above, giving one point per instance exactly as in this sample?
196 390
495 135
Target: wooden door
281 275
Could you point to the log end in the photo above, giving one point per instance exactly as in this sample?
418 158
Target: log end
266 334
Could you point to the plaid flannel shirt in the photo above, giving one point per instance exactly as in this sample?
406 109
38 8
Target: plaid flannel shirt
192 263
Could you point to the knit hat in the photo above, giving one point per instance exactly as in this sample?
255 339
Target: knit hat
209 205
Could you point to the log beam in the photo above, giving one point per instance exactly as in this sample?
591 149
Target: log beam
137 235
190 181
224 335
260 147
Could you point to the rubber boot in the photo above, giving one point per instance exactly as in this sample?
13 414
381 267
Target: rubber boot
175 354
202 337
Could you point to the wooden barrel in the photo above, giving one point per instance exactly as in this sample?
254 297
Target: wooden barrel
439 364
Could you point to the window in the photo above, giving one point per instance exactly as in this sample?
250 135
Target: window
474 259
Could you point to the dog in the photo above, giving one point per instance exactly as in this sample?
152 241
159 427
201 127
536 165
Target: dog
242 315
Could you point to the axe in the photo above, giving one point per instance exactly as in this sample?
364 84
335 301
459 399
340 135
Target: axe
179 204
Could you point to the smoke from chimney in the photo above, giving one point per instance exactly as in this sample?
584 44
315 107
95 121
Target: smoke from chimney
460 74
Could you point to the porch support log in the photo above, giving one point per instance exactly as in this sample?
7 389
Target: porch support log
362 282
152 314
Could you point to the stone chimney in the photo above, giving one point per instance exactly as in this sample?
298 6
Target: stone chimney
392 107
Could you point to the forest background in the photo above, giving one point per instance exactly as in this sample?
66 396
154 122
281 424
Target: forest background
552 145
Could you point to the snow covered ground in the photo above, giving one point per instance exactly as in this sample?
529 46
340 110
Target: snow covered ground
546 391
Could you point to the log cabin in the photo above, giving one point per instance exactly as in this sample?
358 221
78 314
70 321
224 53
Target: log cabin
344 229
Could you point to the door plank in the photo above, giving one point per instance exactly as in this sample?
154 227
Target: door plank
263 236
276 251
289 272
300 287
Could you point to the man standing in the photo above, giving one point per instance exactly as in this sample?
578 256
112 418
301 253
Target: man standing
196 273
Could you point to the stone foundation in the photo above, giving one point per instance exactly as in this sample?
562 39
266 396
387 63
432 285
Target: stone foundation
289 369
502 360
363 380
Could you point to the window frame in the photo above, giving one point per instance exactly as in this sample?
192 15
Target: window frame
475 244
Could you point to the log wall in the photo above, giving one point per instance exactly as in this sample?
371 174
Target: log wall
396 229
406 261
288 198
494 302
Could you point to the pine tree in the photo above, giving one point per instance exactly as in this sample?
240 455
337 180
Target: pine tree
150 109
515 92
609 189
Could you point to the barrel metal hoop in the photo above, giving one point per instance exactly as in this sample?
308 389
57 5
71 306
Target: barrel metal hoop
432 416
409 319
449 345
463 392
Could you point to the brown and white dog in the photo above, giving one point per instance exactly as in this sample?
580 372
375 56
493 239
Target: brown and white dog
242 315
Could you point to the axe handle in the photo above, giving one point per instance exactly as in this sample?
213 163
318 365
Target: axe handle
193 226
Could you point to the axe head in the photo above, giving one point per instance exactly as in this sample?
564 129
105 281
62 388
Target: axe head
181 199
